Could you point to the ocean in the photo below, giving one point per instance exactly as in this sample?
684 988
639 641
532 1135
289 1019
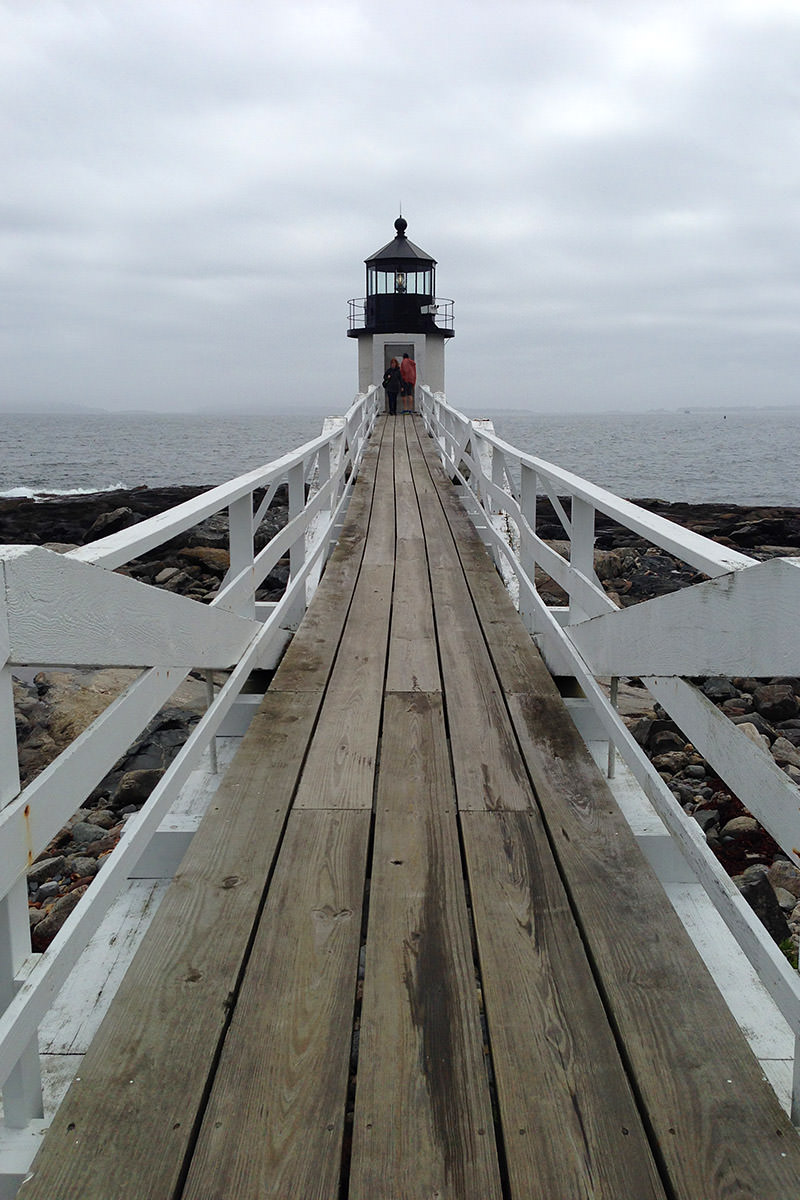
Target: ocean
738 457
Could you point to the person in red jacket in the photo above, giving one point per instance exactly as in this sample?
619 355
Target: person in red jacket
408 378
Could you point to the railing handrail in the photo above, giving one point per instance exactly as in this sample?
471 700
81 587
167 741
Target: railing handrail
118 548
700 552
177 633
592 638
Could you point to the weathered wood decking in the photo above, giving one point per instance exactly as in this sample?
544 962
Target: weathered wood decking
413 844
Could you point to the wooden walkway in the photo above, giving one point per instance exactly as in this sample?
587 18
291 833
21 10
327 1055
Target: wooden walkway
413 950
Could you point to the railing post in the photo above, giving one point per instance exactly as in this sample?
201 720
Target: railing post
322 520
212 745
498 472
297 550
612 746
240 544
352 440
527 555
22 1091
581 555
324 468
9 763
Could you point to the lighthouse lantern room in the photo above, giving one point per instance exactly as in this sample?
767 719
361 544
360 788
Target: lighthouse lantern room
401 313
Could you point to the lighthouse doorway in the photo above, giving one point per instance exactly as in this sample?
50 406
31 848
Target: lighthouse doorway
396 350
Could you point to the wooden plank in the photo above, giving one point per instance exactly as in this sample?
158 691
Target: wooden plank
413 661
309 657
380 538
340 769
409 525
438 538
697 1077
127 1121
489 774
570 1122
488 771
423 1120
276 1113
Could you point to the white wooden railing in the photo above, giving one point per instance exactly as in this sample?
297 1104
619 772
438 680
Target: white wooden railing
740 622
72 609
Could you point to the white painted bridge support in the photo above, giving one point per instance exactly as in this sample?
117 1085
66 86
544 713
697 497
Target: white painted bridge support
527 502
240 545
297 551
22 1091
581 555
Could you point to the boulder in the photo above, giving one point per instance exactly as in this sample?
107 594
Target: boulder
83 833
719 688
750 731
783 751
785 899
672 761
776 702
165 575
739 827
759 894
80 866
786 875
135 786
667 739
45 930
213 558
754 718
111 522
48 868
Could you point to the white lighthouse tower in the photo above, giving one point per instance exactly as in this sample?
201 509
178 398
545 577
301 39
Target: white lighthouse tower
401 314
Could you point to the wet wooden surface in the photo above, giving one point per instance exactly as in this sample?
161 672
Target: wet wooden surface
413 950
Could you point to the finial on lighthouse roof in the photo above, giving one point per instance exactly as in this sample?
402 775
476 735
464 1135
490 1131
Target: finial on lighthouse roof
401 225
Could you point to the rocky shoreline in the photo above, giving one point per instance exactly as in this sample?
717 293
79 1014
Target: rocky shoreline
53 706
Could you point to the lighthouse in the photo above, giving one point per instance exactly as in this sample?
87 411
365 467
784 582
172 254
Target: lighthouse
401 313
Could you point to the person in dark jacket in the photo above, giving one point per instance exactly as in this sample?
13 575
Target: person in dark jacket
391 383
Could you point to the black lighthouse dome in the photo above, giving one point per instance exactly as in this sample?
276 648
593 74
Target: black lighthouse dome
401 291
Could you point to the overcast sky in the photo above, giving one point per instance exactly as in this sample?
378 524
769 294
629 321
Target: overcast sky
611 189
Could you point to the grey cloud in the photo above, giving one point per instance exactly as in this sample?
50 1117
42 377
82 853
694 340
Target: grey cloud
610 191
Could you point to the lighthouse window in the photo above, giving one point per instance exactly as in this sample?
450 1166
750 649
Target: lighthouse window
393 282
380 283
416 283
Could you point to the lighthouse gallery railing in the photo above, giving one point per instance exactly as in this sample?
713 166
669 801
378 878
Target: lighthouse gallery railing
73 610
